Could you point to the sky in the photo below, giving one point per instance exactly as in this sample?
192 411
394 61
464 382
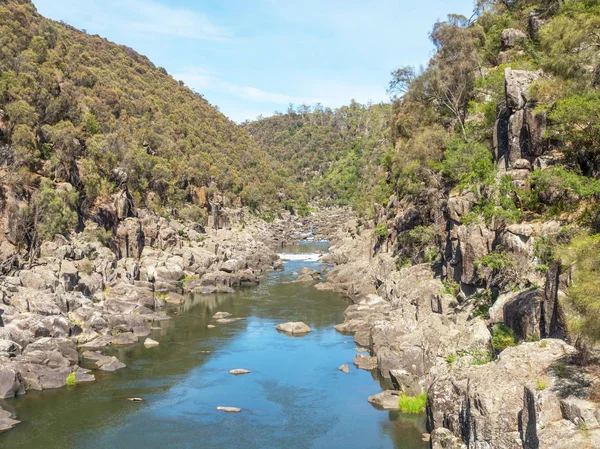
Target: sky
254 57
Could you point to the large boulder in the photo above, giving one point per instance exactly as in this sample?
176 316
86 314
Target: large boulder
11 382
511 37
517 86
297 328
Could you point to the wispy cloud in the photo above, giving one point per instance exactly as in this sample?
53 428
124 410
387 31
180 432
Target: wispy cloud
156 18
201 79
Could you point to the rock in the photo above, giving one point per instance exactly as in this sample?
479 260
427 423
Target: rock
135 399
62 346
32 280
211 326
109 364
386 400
444 439
297 328
69 275
517 85
9 348
406 382
124 338
11 382
239 371
344 368
489 405
221 315
231 266
511 37
365 362
229 409
523 314
228 320
7 420
149 343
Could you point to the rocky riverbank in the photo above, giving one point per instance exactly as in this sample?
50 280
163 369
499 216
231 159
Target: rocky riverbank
426 336
80 296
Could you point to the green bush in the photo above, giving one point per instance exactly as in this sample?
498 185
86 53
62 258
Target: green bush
412 404
503 337
468 163
71 380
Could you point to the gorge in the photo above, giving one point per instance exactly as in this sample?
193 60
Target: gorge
443 249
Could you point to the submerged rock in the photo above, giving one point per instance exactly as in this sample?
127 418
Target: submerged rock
239 371
7 420
344 368
221 315
297 328
229 409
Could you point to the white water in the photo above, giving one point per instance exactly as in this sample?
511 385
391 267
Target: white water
308 257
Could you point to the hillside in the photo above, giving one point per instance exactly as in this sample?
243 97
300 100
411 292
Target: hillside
336 154
81 110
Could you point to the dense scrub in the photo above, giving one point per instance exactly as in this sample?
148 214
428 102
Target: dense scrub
81 110
338 155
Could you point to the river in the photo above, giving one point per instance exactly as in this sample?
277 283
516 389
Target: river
295 396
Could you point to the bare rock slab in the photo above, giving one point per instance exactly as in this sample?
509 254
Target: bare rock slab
344 368
297 328
239 371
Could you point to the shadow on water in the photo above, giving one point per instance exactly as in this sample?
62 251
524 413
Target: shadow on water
294 397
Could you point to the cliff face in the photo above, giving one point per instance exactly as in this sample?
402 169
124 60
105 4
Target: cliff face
458 289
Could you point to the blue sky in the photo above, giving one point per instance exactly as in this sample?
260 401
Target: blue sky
253 57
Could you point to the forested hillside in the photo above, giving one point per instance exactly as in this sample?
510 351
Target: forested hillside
336 154
78 109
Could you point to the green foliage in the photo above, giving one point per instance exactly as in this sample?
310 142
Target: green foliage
468 163
77 107
335 154
52 211
381 230
451 358
582 303
557 190
503 337
71 380
575 121
412 404
541 384
495 261
451 287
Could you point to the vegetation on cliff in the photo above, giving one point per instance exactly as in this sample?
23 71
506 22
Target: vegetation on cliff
81 110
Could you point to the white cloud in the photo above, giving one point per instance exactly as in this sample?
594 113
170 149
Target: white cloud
200 79
156 18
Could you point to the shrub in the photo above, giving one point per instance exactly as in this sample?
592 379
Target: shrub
582 304
503 337
481 358
468 163
71 380
412 404
541 384
451 358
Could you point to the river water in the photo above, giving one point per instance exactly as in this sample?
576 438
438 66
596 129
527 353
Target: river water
295 396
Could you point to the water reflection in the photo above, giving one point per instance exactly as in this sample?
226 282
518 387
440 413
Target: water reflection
295 396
